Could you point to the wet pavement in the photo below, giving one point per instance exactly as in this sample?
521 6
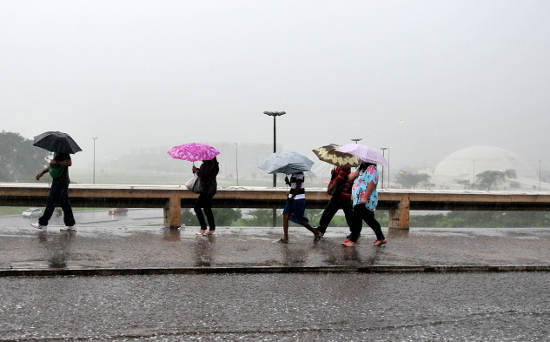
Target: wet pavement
139 241
278 307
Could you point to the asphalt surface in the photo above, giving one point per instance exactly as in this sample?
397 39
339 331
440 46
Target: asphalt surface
279 307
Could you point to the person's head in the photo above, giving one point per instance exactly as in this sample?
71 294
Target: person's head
210 162
365 165
210 167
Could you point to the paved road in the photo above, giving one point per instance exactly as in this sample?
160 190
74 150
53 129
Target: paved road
281 307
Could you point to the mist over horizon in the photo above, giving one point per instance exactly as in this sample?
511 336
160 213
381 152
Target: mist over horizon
427 78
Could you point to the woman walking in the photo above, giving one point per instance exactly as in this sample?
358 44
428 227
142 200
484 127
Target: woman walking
207 177
365 199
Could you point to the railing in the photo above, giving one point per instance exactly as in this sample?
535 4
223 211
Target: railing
173 198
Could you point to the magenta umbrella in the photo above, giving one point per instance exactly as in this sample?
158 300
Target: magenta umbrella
193 152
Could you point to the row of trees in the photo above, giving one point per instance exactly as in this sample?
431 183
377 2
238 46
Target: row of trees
254 218
455 219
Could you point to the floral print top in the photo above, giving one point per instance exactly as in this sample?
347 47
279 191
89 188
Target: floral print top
359 189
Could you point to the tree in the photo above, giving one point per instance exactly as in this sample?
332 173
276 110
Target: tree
492 178
411 180
466 183
20 160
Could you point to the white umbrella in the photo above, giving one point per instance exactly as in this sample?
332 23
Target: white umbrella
286 162
365 153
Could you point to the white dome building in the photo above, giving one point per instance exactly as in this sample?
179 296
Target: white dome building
463 166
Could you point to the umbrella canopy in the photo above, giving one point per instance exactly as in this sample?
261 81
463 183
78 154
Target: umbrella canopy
329 154
58 142
286 162
193 152
364 153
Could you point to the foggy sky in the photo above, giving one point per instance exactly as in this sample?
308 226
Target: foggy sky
425 77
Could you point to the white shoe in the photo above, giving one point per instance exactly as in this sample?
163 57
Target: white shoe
39 226
68 229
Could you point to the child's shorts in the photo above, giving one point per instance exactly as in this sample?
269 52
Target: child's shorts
296 208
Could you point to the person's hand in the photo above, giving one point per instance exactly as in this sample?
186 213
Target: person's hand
286 180
39 175
194 169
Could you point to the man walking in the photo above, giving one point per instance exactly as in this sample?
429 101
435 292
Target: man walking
59 192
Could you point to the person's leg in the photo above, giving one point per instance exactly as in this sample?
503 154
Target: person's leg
329 212
285 228
287 211
198 212
374 224
347 206
299 210
68 217
53 198
357 224
208 212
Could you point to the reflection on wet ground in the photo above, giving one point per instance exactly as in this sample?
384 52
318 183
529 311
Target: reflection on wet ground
153 246
138 240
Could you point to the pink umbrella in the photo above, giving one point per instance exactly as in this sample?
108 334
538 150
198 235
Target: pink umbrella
364 153
193 152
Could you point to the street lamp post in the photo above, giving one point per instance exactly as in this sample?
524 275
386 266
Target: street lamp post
274 115
540 174
237 162
94 139
383 149
389 184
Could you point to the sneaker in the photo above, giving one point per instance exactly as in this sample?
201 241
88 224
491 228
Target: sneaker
39 226
68 229
380 242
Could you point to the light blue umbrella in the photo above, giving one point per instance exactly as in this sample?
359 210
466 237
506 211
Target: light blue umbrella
286 162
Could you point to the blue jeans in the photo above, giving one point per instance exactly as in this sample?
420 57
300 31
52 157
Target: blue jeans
59 195
296 209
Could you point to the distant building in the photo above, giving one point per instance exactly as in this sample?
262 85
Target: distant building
459 170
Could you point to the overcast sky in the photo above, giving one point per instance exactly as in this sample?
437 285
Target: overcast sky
425 77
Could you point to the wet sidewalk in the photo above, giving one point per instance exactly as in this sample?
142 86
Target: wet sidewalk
253 249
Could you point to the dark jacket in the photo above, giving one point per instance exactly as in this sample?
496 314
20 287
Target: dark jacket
207 175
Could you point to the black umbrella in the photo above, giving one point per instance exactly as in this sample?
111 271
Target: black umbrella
56 142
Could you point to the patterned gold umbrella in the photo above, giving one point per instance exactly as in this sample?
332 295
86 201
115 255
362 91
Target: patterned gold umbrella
329 154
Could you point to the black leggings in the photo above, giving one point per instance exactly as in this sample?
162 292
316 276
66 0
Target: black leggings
336 203
205 201
360 213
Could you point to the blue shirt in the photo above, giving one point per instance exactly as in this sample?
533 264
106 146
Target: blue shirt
359 189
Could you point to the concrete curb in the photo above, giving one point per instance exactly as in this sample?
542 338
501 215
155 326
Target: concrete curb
271 269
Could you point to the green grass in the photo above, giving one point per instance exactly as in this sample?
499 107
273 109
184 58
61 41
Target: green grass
12 210
4 211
